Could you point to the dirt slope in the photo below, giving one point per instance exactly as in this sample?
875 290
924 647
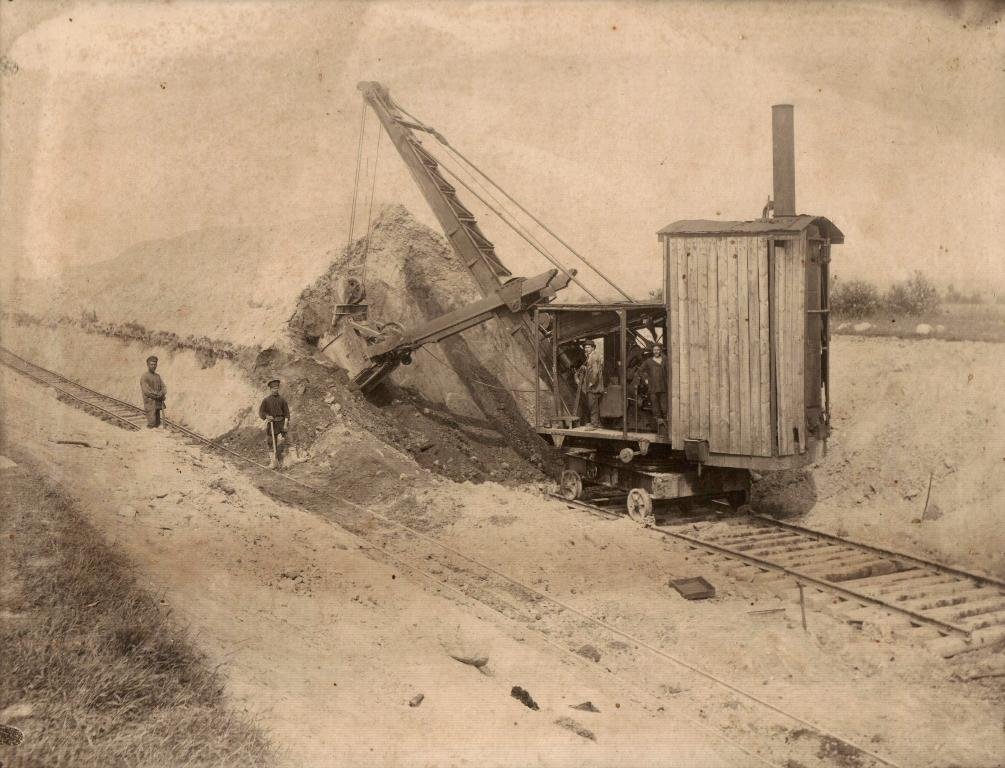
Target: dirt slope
907 413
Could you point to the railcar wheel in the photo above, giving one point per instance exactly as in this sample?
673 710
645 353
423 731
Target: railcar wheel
640 506
738 500
572 484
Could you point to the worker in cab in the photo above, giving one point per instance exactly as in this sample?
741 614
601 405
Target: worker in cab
590 377
154 393
653 372
276 413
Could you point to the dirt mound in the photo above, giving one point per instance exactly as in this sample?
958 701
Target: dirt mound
411 275
909 416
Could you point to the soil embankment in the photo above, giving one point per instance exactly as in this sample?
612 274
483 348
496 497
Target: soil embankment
917 458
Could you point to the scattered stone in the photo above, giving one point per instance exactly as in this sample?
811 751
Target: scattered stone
161 495
293 574
129 512
416 700
589 652
524 698
569 724
222 485
923 329
586 706
473 661
337 408
842 326
932 512
859 327
6 463
302 388
17 711
329 398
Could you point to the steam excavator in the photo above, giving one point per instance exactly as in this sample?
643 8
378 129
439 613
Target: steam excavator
743 319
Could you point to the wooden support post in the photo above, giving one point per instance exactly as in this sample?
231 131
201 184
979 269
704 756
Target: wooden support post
554 364
537 368
802 603
623 322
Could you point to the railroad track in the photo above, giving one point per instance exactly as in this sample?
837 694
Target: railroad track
556 622
118 412
952 601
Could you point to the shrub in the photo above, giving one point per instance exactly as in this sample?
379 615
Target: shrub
855 298
914 296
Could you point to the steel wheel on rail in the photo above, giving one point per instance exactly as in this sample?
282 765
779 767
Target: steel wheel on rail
640 506
571 484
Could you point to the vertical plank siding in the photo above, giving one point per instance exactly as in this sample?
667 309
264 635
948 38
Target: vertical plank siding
722 351
743 328
727 336
674 347
764 339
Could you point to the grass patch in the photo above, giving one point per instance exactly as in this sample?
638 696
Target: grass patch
92 668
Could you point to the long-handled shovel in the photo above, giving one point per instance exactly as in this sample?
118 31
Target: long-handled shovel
275 444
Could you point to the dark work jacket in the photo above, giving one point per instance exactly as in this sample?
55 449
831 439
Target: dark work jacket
655 375
275 407
153 390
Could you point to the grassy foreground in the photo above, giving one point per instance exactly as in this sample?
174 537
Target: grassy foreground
91 669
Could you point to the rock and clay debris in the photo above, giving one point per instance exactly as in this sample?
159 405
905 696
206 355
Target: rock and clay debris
524 698
569 724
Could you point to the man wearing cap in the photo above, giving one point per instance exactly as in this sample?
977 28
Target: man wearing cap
591 379
276 414
153 390
654 372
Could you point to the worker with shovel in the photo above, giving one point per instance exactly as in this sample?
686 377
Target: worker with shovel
277 415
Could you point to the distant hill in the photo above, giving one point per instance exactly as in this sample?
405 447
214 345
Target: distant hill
239 284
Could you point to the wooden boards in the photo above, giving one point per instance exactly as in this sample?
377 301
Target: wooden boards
722 338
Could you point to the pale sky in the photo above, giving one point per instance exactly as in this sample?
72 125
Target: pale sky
123 122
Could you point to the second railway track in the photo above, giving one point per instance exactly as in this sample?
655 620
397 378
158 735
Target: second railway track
950 600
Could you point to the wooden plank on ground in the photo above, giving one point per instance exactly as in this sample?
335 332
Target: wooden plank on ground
712 307
764 348
734 351
743 323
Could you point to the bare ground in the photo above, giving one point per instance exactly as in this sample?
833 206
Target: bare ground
329 641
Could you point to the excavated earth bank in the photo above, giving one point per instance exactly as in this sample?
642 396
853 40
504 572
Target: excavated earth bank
915 421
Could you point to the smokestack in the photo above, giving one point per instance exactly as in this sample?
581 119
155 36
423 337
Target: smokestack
783 152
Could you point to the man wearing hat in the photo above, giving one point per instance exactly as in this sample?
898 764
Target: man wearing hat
276 414
591 379
153 390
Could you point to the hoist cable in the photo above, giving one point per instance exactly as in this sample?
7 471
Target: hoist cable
369 215
355 185
442 139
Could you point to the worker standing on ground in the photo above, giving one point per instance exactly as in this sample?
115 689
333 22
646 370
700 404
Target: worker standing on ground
276 413
153 390
654 372
591 379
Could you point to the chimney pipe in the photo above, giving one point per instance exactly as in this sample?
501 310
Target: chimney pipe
783 153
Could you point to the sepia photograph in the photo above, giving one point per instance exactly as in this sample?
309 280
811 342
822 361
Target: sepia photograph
502 384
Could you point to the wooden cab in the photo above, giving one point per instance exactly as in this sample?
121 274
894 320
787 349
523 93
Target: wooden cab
747 339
